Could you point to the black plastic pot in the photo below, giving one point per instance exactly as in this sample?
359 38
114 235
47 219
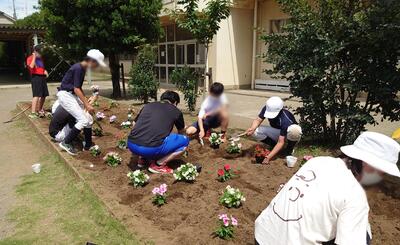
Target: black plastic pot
214 146
259 160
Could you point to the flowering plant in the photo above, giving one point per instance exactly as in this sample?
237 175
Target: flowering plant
226 226
95 150
100 115
96 104
130 117
160 195
121 144
95 89
113 118
306 158
112 159
261 152
232 197
97 131
113 104
234 147
186 172
138 178
226 173
126 124
215 139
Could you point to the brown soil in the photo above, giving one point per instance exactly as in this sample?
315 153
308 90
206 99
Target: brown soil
190 216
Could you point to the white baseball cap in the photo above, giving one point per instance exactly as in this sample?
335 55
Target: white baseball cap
97 56
377 150
294 133
274 105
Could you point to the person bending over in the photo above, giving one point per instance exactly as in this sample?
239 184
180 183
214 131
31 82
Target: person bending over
283 126
72 98
213 113
324 202
151 138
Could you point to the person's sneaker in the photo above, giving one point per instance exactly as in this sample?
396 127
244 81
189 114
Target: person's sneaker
155 169
87 148
141 162
42 114
33 115
68 148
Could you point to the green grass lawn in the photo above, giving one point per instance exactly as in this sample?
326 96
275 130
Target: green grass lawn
53 207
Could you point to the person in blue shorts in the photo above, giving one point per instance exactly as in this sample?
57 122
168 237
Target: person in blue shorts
151 138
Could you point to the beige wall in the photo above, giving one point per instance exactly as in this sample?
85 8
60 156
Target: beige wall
232 50
5 21
267 10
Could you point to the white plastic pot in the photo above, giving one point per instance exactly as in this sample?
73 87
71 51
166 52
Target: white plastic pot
291 161
36 168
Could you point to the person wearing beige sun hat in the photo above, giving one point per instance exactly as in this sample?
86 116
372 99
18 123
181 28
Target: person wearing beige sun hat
325 201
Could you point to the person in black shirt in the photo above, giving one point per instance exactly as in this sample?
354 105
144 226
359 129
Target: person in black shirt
283 126
151 137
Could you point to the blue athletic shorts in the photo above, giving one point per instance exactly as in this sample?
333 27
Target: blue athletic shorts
209 123
172 143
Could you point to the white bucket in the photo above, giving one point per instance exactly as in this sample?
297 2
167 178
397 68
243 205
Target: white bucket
291 161
36 168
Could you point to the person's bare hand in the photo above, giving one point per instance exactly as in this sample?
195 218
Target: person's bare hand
89 108
266 161
201 134
250 132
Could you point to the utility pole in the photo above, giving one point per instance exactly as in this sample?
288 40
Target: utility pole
15 12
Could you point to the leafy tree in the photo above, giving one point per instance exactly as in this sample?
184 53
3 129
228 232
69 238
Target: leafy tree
36 20
341 58
113 26
186 81
203 24
143 84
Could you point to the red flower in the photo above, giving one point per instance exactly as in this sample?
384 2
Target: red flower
227 167
221 172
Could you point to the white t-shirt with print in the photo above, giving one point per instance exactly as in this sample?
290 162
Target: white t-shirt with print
321 202
211 104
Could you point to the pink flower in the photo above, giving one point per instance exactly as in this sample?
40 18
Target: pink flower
234 221
163 189
156 190
308 157
222 216
226 220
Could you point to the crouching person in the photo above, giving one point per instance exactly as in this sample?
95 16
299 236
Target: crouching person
283 127
324 202
151 138
213 113
72 98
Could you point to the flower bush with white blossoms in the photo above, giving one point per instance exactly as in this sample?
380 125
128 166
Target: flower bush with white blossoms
112 159
113 118
234 147
226 226
138 178
215 139
130 117
232 197
95 89
186 172
126 124
122 144
100 116
95 150
160 195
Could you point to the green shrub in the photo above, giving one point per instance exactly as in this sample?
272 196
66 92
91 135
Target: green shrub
143 84
187 82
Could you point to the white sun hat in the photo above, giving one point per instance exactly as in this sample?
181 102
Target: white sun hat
97 56
377 150
274 105
294 133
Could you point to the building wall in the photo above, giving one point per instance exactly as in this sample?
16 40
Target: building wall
232 50
5 21
268 10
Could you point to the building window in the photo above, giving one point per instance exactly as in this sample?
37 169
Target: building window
276 26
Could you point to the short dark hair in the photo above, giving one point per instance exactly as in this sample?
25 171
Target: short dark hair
87 58
171 96
217 88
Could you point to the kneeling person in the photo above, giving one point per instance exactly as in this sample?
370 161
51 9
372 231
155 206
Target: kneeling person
213 113
151 137
283 126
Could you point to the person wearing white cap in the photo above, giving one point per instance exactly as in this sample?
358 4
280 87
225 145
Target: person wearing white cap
72 98
324 202
283 127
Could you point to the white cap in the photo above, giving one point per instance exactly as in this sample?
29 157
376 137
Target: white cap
377 150
274 105
294 133
97 56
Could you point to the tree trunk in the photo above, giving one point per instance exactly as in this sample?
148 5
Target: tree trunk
115 74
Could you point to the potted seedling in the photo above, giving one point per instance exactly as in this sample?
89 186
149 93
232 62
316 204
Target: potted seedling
260 153
122 144
215 140
95 150
233 149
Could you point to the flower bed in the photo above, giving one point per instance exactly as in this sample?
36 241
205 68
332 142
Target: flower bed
190 206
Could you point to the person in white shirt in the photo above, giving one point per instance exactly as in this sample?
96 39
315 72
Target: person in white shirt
213 113
324 202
